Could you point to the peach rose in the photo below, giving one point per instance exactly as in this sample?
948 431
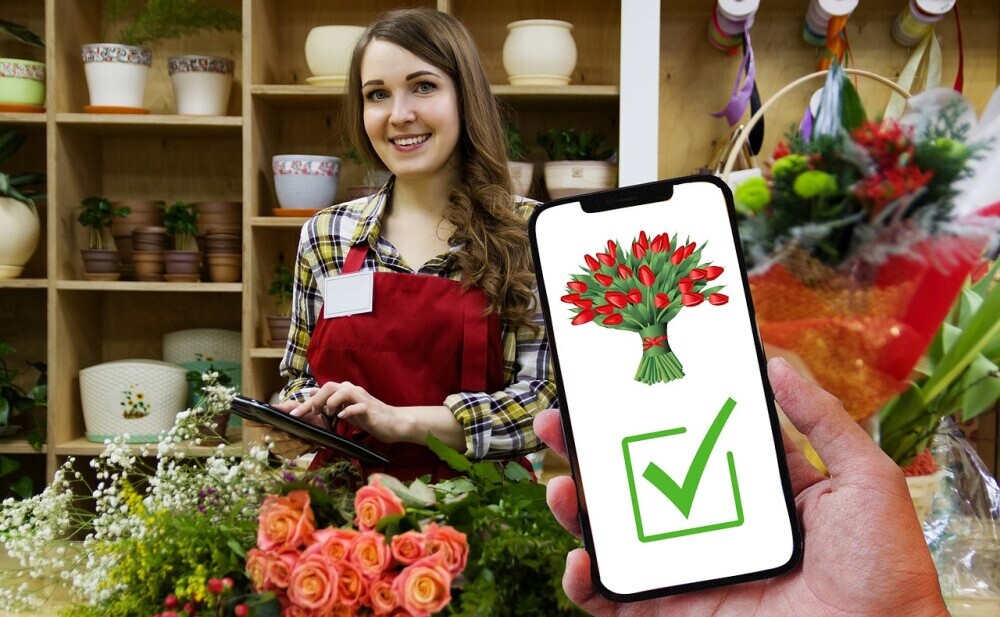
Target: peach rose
371 554
314 584
283 561
450 543
258 564
285 520
380 594
343 611
374 502
353 587
423 587
333 543
294 610
408 547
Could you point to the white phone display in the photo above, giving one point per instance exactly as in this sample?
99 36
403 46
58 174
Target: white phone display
668 415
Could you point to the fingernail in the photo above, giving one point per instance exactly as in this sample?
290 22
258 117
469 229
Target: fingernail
340 415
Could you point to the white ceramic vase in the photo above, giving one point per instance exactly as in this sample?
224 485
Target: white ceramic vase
539 52
520 176
201 84
328 53
140 398
568 178
116 74
19 231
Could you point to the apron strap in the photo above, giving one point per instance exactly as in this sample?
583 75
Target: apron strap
355 258
474 342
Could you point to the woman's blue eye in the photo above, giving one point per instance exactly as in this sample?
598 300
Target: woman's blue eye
377 95
425 87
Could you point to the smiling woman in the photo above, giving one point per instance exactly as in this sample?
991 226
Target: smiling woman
437 329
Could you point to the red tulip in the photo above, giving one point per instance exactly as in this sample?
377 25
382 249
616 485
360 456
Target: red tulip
692 299
646 276
577 286
643 240
591 262
624 271
613 320
604 279
583 318
697 274
712 272
606 259
678 256
616 298
688 250
605 309
661 243
718 299
611 247
571 298
661 301
634 296
684 285
584 304
638 250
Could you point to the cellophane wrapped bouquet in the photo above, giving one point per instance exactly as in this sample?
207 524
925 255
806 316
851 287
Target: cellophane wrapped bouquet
859 238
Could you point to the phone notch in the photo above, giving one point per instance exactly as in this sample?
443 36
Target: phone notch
626 198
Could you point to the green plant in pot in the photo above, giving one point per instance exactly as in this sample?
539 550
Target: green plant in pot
577 163
22 81
521 170
17 403
281 290
183 263
100 258
19 223
373 179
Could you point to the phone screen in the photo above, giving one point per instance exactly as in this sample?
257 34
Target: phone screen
667 411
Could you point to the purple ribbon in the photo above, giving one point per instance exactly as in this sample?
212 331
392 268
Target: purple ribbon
740 97
806 126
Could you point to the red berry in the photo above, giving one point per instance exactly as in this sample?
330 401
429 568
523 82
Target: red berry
190 608
169 614
214 586
170 601
241 610
227 583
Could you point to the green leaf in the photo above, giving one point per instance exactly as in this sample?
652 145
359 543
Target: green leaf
454 460
23 487
410 499
5 349
487 472
8 466
4 411
422 492
35 439
981 388
21 33
968 306
236 548
852 112
982 287
515 472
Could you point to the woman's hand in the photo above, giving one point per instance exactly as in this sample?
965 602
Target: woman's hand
354 404
282 444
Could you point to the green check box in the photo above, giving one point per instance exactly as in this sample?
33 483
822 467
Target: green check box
665 499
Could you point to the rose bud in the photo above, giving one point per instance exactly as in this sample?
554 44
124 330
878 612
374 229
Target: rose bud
241 610
624 271
684 285
616 298
611 247
634 296
613 320
643 240
605 309
688 250
646 276
571 298
214 586
584 303
577 286
697 274
677 257
661 301
606 259
170 601
583 317
692 299
718 299
712 272
591 262
638 251
604 279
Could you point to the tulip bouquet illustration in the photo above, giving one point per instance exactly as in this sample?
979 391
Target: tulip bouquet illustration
641 291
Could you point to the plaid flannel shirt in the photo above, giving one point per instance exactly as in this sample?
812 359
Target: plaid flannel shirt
498 425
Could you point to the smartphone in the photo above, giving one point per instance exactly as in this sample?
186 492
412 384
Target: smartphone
261 412
669 419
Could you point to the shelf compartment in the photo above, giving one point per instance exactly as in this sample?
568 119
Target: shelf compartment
82 447
18 445
158 125
138 286
24 283
22 118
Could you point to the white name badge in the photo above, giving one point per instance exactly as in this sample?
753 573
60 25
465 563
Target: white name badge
348 294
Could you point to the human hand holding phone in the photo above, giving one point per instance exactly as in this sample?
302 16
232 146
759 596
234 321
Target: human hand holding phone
282 444
864 550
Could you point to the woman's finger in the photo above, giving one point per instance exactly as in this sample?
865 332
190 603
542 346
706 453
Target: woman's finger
580 588
316 401
357 409
548 427
560 494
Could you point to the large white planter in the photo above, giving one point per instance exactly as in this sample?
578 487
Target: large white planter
116 74
520 176
140 398
19 230
328 53
568 178
201 84
539 52
202 344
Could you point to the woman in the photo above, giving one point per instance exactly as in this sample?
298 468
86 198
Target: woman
451 343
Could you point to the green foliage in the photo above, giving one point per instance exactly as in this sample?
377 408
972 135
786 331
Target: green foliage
97 214
145 21
281 288
15 401
181 221
20 486
20 32
16 187
573 145
515 145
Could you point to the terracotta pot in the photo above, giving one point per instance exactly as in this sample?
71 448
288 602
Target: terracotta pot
148 265
149 239
219 214
100 264
225 244
182 266
19 233
224 268
144 213
278 327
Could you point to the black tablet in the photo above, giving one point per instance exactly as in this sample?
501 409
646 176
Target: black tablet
257 411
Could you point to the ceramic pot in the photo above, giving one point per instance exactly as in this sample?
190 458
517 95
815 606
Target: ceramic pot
144 213
520 176
140 398
182 266
116 74
328 52
568 178
224 268
19 232
22 82
101 264
201 84
278 327
148 265
305 180
202 344
539 52
151 238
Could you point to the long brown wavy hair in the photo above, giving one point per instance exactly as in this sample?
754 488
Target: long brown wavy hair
496 256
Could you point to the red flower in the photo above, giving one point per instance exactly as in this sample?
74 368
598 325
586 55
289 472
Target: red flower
688 250
591 262
634 296
678 256
643 240
584 304
606 259
718 299
697 274
611 247
661 243
713 272
613 320
661 301
885 141
571 298
885 187
646 276
684 285
577 286
616 298
781 150
624 271
638 250
605 309
604 279
583 318
692 299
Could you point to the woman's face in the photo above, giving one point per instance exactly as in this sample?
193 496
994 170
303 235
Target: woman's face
410 111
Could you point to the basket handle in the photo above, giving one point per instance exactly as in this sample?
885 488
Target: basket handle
744 134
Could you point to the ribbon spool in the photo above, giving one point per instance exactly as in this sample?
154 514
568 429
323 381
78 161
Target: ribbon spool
729 19
815 29
918 19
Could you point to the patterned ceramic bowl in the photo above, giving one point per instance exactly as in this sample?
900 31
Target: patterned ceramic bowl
305 181
140 398
112 52
22 82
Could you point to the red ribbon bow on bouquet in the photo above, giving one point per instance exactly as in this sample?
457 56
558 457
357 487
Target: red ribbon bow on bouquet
654 341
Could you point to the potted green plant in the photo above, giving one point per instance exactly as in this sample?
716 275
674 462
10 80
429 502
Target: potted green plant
521 170
17 405
116 72
183 263
281 290
373 179
19 223
576 163
100 258
22 81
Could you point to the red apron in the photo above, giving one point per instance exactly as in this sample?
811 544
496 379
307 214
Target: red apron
424 340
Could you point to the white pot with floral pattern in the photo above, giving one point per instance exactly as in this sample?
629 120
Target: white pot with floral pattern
201 84
138 398
116 74
305 180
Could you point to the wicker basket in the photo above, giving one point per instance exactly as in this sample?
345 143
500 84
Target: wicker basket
202 344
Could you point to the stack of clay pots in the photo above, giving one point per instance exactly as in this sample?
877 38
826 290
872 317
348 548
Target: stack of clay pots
148 245
220 238
144 213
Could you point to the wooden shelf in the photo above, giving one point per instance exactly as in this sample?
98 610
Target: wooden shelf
157 287
22 118
267 352
82 447
24 283
153 125
289 95
18 445
278 221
